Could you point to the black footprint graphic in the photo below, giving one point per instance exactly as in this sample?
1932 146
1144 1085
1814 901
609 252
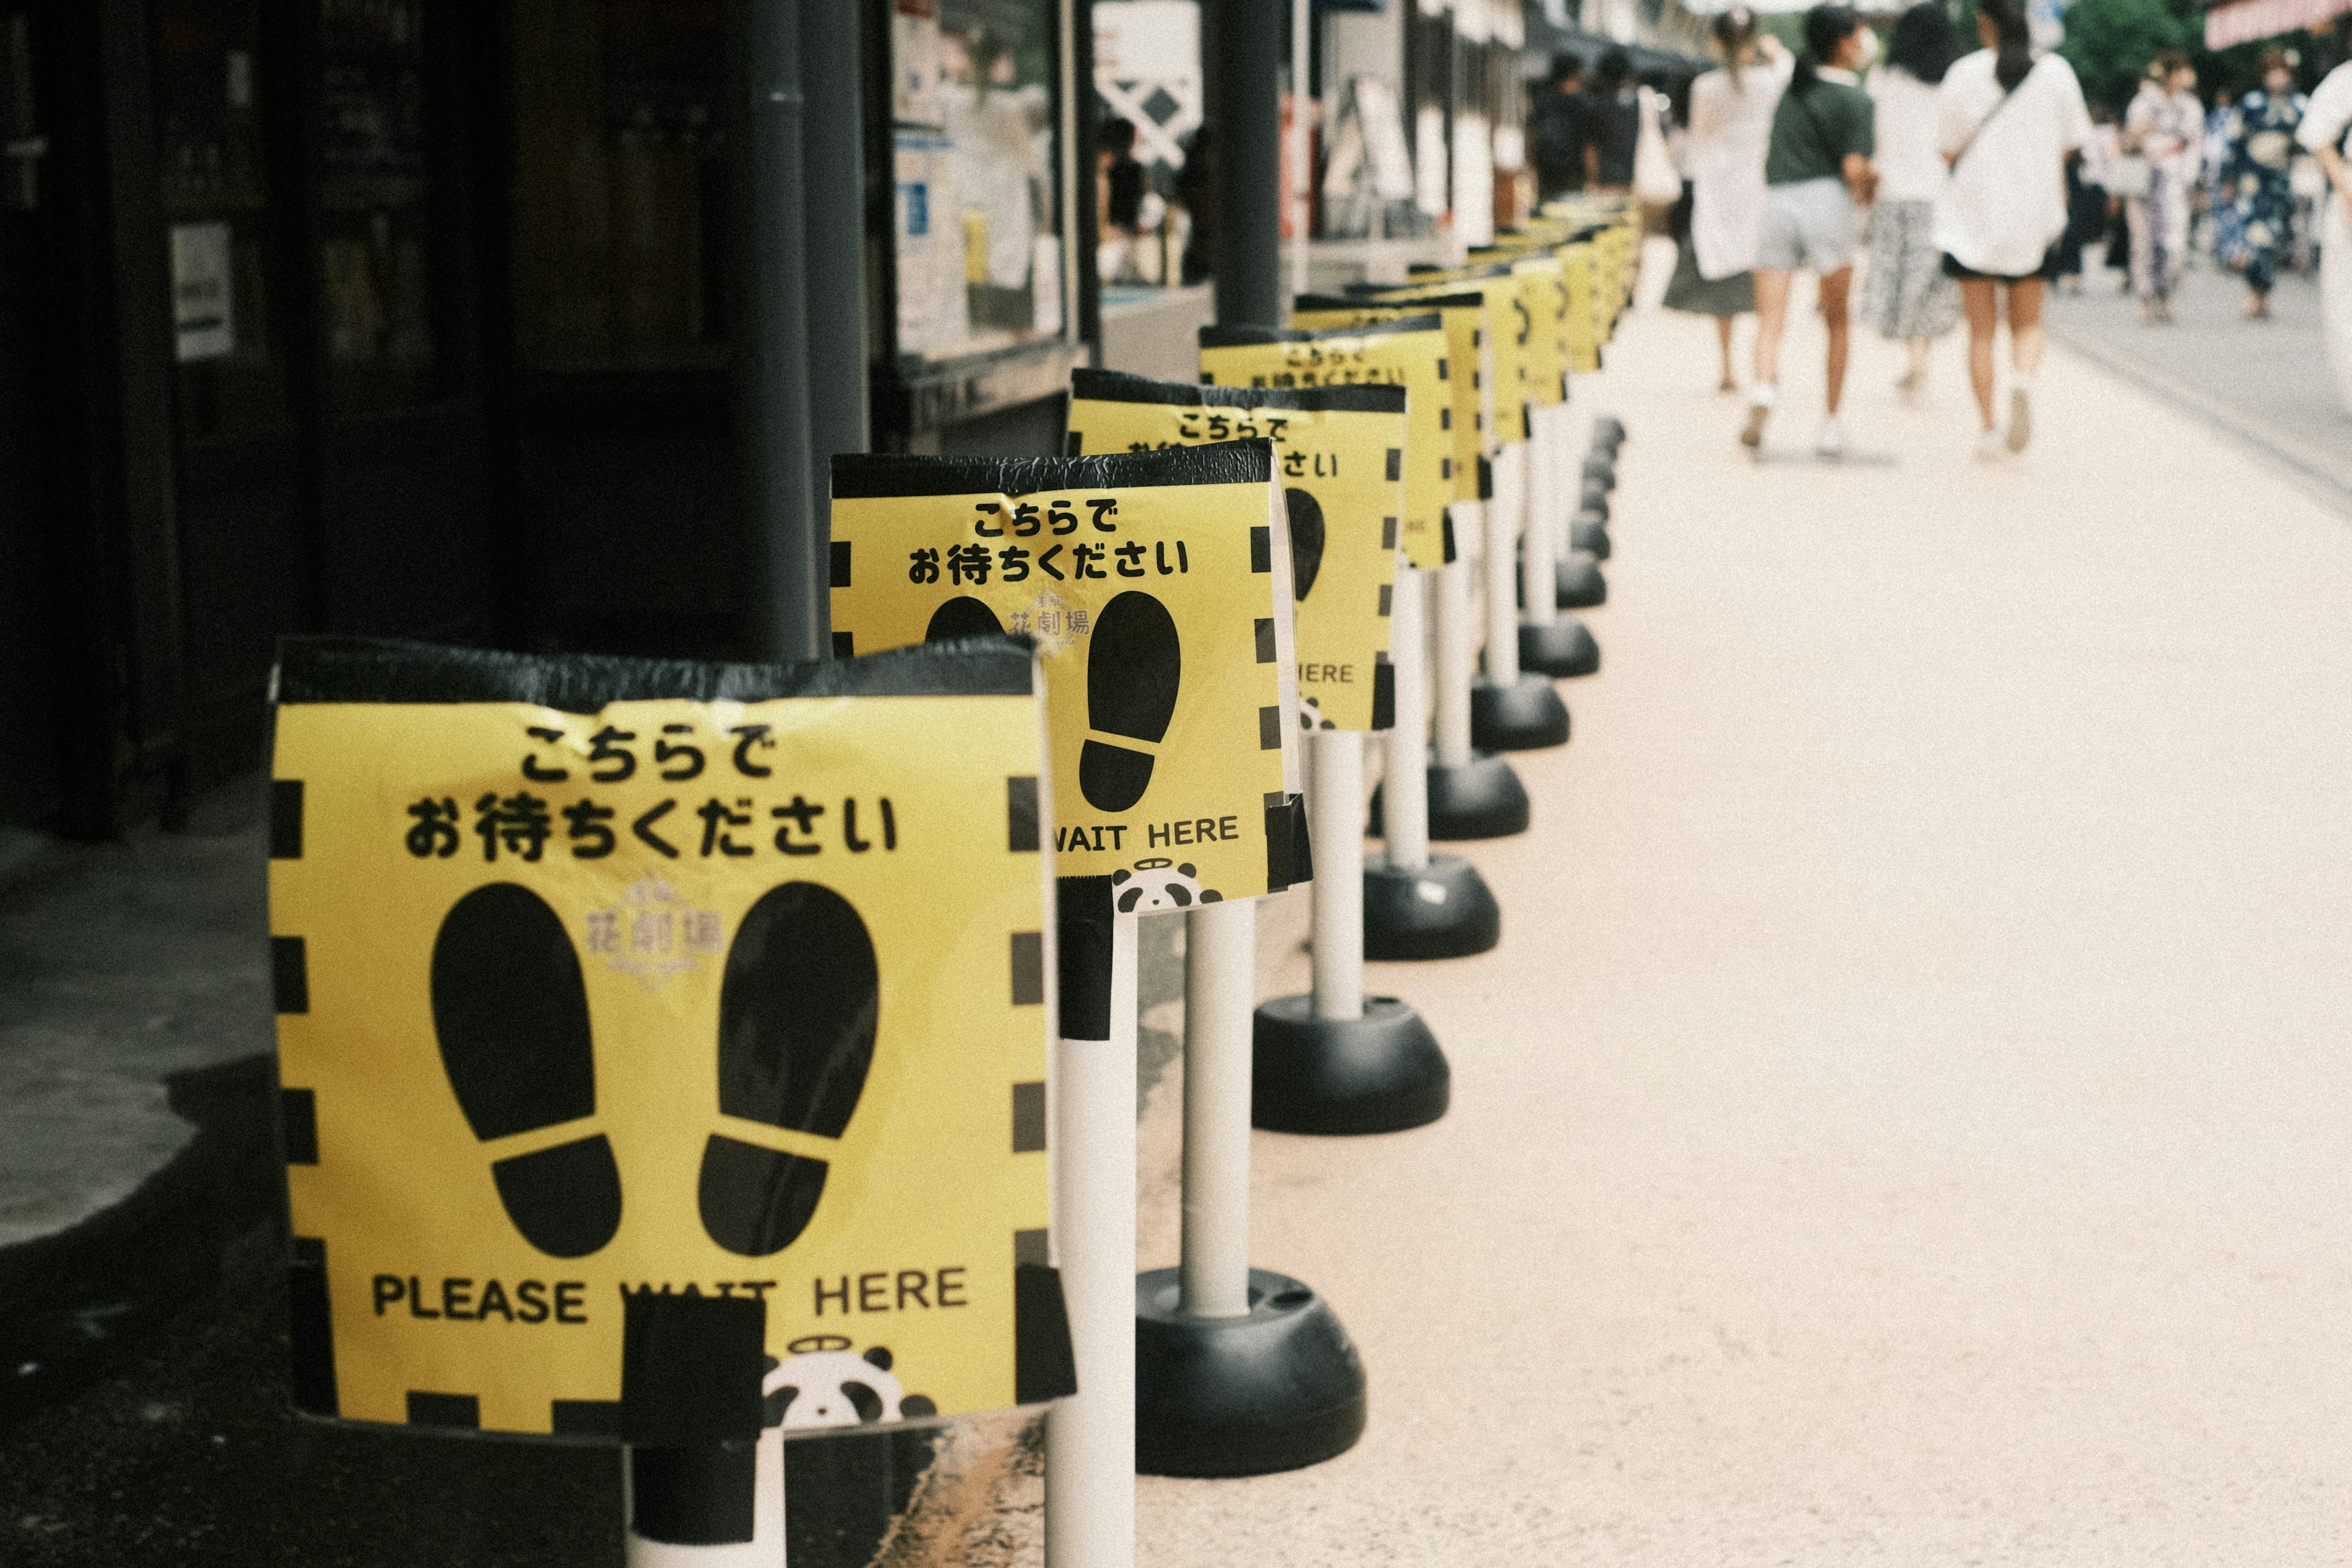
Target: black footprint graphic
962 617
510 1012
1305 541
796 1021
1133 668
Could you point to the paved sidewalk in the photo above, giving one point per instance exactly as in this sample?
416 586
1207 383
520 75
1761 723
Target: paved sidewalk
1905 1121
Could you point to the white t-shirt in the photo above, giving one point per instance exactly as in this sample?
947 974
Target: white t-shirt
1729 131
1910 165
2329 112
2006 199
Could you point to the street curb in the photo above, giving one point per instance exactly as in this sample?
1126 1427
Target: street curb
2333 488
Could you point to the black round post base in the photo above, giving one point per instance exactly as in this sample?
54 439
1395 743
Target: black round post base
1576 580
1278 1389
1561 649
1593 502
1378 1073
1483 798
1600 470
1442 910
1609 430
1589 534
1525 716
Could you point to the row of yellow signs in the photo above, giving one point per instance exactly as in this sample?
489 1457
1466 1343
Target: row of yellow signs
607 986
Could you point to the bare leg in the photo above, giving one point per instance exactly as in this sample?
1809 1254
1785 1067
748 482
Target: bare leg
1982 309
2025 297
1730 382
1772 319
1835 287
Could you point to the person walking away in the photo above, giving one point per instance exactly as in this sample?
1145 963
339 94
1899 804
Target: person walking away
2165 125
2006 121
1816 173
1613 126
2253 209
1730 124
1121 182
2105 154
2088 204
1559 125
2323 132
1905 293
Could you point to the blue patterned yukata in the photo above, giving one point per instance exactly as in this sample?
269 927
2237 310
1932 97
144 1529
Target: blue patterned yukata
2253 202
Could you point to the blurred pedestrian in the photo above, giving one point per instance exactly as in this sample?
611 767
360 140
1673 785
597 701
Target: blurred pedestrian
2325 121
1816 174
2006 121
1730 124
1560 127
1905 293
1615 124
2253 207
2165 127
2087 203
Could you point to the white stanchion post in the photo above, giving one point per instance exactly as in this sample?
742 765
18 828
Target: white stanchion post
1454 652
764 1549
1546 480
1302 169
1090 1437
1219 962
1404 784
1335 803
1504 513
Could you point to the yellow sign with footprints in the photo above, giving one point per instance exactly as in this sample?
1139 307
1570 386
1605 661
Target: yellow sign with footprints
605 987
1147 581
1465 316
1409 352
1339 455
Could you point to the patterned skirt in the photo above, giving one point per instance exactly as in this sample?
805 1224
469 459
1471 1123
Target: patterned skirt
1905 293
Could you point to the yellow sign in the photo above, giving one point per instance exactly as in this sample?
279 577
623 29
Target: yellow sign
605 986
1410 351
1147 581
1508 325
1465 317
1339 455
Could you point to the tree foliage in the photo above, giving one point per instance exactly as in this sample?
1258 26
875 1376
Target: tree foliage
2110 42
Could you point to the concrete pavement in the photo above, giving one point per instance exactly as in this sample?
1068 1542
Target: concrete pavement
1904 1122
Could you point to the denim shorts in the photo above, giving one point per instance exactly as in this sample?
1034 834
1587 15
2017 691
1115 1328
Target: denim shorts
1809 225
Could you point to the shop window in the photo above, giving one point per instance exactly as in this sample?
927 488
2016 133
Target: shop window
978 243
617 186
376 222
216 200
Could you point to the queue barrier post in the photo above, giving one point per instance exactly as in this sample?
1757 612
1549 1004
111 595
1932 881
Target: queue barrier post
1551 644
1510 712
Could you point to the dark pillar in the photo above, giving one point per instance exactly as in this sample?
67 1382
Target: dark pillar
1245 50
771 370
833 148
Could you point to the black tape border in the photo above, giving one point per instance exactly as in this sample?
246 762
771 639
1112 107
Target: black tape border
1257 337
1118 386
865 477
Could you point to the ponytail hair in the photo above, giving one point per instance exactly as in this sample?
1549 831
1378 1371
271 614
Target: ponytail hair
1734 30
1826 26
2014 57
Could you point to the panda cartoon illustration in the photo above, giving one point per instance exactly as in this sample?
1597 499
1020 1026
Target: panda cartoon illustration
1310 715
822 1385
1159 884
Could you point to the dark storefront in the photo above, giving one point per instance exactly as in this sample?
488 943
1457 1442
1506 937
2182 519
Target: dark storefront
414 318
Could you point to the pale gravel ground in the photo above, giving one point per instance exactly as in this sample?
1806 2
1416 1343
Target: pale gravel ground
1906 1120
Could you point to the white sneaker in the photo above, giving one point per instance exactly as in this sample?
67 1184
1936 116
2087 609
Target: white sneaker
1760 398
2020 418
1990 446
1831 442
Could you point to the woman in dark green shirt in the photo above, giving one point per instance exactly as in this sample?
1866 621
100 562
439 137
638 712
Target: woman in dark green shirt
1816 173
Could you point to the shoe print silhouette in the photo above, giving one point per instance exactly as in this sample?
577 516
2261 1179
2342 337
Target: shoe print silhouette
962 617
510 1015
797 1011
1134 663
1305 541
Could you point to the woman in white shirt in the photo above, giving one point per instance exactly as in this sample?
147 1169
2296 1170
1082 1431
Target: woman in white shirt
1730 121
1905 293
2325 123
2005 121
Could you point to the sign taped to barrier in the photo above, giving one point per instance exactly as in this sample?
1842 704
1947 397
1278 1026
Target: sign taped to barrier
611 990
1509 326
1147 581
1410 351
1464 318
1339 455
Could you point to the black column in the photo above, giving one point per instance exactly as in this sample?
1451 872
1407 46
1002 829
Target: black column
833 148
1245 50
771 368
